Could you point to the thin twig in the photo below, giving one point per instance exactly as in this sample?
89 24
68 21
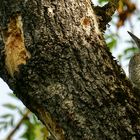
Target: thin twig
18 125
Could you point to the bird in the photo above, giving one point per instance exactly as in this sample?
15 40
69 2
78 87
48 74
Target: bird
134 64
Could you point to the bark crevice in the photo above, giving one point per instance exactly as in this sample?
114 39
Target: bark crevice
71 74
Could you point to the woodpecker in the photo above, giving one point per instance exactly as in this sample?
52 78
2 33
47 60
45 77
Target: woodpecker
134 64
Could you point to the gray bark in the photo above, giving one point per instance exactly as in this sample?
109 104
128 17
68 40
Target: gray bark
71 74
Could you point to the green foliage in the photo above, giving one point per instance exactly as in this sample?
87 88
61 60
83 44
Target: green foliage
10 106
7 120
102 1
34 130
111 40
129 51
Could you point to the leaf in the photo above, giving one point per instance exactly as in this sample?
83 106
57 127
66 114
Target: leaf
6 116
130 50
3 122
112 44
35 119
20 111
102 1
28 134
12 122
10 106
13 96
5 126
120 56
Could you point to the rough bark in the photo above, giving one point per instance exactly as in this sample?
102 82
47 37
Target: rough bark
70 81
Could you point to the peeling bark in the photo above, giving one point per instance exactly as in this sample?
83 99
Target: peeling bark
71 75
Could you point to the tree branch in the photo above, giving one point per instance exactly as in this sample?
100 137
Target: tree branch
105 13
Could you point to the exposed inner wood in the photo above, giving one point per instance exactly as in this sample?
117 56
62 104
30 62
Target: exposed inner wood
15 51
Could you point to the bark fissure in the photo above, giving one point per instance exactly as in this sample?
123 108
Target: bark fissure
71 75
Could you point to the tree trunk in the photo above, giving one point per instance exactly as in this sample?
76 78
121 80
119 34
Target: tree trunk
55 59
